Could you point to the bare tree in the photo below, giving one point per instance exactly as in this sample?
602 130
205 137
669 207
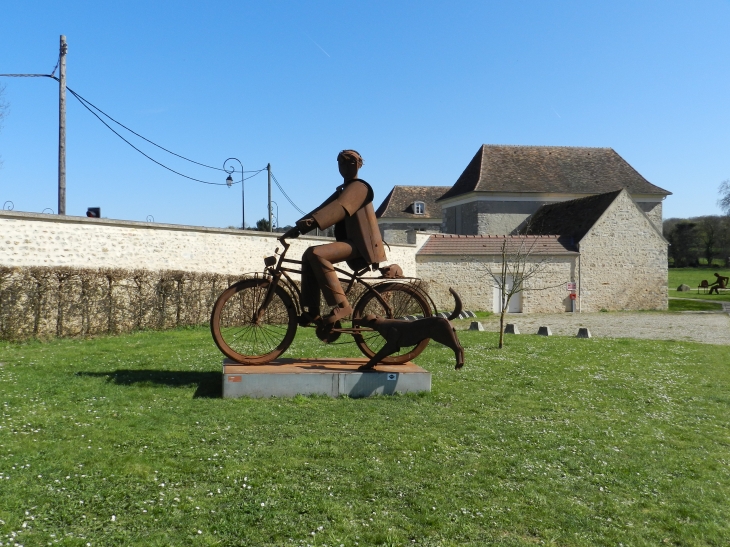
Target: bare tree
517 272
724 201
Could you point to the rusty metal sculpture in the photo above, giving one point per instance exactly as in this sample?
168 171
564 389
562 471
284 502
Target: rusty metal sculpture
254 321
720 283
350 210
399 333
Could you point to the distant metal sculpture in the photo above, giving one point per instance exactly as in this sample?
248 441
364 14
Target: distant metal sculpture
721 283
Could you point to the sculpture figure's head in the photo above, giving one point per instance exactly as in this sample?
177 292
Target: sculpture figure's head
349 162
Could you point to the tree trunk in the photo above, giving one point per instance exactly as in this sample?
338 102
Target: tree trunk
501 327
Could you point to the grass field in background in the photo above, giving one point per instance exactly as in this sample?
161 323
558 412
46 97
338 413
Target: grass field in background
125 441
691 305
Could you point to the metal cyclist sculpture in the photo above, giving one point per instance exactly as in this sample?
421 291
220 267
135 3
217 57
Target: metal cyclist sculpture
254 321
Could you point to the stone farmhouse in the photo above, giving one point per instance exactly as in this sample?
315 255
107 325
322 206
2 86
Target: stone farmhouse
584 212
606 244
408 209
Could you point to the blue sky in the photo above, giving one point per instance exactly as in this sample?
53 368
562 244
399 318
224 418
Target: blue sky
416 87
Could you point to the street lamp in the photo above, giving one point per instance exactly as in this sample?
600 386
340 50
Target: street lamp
271 228
229 181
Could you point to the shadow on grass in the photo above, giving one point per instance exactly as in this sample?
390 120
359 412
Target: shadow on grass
209 384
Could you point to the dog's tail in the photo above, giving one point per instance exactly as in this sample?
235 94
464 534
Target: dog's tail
459 306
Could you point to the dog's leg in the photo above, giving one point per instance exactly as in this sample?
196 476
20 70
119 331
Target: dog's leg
448 338
389 348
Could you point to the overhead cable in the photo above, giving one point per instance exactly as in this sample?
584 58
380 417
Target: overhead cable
286 196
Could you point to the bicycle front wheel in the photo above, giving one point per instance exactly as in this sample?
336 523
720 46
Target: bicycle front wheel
401 300
246 333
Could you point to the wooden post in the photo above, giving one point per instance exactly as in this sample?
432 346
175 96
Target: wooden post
268 169
62 127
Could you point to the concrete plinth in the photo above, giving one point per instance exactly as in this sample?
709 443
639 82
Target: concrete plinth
333 377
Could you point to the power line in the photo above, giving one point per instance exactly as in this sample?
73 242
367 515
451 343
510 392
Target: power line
89 106
86 104
140 151
286 196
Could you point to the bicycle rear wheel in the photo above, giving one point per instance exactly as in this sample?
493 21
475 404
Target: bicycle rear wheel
247 336
402 300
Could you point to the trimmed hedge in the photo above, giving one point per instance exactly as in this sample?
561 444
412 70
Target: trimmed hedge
47 302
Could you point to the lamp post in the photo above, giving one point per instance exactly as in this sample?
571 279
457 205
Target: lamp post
271 211
229 181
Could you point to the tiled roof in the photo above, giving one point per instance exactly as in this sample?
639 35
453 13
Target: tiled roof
458 245
399 203
550 169
569 218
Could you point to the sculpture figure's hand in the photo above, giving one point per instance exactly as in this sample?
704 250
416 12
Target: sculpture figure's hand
305 225
291 233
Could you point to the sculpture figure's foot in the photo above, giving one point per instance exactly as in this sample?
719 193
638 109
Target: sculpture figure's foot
309 318
338 313
366 366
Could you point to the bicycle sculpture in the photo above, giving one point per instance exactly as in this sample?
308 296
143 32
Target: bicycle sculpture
254 321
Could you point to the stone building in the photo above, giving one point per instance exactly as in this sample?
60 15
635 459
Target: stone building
503 185
408 209
606 244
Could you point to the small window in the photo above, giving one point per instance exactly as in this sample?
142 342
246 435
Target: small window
419 208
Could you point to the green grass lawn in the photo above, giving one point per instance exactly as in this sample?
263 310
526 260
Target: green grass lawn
693 277
559 441
691 305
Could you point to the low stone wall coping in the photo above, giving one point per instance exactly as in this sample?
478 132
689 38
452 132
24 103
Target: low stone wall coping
69 219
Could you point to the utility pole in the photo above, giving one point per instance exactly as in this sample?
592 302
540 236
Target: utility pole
62 127
268 169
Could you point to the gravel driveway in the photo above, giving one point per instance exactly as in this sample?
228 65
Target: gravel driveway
705 327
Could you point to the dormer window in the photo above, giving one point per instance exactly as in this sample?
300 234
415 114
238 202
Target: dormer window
419 208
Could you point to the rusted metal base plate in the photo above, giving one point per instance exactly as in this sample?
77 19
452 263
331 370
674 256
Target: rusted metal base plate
333 377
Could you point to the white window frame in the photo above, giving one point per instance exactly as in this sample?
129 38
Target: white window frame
416 208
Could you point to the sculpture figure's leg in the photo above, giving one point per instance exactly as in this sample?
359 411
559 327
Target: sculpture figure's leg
319 260
310 286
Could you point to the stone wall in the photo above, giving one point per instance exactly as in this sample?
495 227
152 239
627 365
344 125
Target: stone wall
396 233
623 262
468 275
461 219
653 210
29 239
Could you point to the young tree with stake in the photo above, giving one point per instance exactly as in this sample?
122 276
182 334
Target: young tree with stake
516 264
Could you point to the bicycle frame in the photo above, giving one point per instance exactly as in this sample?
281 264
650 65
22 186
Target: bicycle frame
352 278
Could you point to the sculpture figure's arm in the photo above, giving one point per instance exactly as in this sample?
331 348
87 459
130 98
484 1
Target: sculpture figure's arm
346 203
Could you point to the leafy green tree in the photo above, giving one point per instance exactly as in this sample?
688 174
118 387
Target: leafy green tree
262 225
709 232
683 244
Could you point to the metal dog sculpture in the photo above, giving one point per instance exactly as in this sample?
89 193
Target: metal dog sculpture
399 333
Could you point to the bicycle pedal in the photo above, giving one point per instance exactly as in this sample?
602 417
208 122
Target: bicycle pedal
328 333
